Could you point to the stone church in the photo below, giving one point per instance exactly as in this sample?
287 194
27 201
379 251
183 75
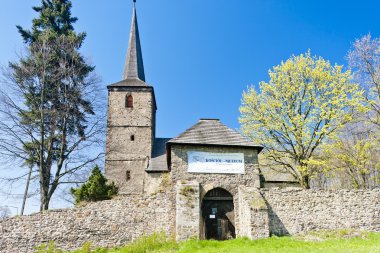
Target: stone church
205 183
209 161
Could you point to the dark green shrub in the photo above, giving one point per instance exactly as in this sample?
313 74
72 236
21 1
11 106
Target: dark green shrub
95 189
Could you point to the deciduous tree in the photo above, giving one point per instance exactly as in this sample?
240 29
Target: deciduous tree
4 212
306 101
364 60
354 154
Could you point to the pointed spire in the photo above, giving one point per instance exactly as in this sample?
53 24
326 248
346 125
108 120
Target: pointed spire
134 66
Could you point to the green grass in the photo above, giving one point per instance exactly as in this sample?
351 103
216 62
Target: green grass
283 245
345 241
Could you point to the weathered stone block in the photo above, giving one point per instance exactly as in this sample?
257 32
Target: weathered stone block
187 210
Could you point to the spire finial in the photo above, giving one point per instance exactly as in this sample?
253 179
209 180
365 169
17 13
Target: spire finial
134 67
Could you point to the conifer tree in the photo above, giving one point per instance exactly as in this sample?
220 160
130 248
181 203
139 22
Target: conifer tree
54 80
95 189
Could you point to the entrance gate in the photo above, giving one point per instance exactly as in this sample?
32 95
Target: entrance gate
218 215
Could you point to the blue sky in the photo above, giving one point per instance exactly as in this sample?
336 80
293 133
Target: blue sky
200 55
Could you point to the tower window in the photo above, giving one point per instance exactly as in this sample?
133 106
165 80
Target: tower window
129 101
128 175
132 137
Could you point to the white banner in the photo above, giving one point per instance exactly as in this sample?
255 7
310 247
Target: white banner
222 163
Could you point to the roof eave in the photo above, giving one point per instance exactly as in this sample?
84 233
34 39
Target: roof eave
258 147
111 86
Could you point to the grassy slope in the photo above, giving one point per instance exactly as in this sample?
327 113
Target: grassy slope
284 245
368 242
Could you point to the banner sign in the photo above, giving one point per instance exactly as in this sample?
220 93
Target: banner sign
219 163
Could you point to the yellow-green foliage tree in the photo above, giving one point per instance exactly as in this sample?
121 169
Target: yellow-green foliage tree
306 101
356 151
354 154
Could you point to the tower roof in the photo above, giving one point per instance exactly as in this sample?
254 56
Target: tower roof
134 66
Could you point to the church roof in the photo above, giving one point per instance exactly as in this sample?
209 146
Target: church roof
213 132
134 66
158 162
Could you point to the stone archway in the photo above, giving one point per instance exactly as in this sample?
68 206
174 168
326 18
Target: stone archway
218 217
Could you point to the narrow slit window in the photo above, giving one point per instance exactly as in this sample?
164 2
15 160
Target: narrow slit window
132 137
129 101
128 175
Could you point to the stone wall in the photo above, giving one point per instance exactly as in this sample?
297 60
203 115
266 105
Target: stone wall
107 223
187 210
253 212
130 135
262 212
292 211
116 171
229 182
157 182
139 115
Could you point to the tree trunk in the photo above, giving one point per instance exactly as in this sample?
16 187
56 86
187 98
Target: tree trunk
305 181
305 176
45 192
43 205
26 190
42 165
46 203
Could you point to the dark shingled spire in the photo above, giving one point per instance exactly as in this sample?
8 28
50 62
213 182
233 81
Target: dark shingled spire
134 66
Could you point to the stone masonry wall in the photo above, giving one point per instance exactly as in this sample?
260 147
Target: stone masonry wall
130 134
229 182
244 214
117 173
107 223
292 211
253 212
262 212
139 115
187 210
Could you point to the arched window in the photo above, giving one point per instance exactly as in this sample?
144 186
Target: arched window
129 101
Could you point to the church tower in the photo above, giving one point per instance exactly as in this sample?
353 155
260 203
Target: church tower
131 121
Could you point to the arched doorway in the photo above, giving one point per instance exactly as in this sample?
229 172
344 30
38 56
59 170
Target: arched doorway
218 215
